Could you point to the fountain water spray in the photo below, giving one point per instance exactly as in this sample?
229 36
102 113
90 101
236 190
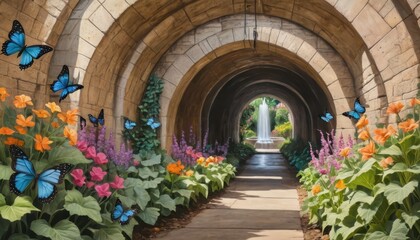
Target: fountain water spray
263 130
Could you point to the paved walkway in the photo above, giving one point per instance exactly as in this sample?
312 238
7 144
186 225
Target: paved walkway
261 203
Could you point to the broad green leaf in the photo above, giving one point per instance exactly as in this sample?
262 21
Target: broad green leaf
146 172
393 150
152 183
5 172
20 236
63 230
4 226
361 195
2 200
398 167
76 204
398 231
132 182
184 192
67 154
20 207
415 147
142 197
366 179
155 160
108 233
166 202
395 193
413 216
150 215
368 210
132 169
349 226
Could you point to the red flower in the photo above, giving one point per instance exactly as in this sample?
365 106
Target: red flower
78 178
82 146
96 174
100 158
136 162
90 184
118 183
103 190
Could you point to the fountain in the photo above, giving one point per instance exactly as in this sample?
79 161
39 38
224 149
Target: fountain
263 126
264 141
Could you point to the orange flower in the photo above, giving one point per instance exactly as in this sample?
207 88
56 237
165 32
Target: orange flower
53 107
395 108
189 173
22 101
21 130
3 94
42 143
71 134
382 134
367 151
41 113
414 101
55 124
24 122
363 122
345 152
340 184
316 189
408 125
6 131
364 135
384 163
200 160
14 141
175 168
70 117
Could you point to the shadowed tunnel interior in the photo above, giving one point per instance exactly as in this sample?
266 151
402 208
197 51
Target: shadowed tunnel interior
216 103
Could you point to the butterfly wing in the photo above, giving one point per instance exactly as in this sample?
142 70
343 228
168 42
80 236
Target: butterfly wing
48 179
358 107
32 52
155 125
62 80
101 119
82 122
150 121
128 124
70 89
352 115
17 40
24 171
93 120
125 218
118 210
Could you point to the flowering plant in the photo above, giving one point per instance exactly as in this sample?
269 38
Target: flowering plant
377 185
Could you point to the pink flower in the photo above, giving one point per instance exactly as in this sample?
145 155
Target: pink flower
103 190
78 178
82 146
199 155
100 158
90 184
136 162
189 150
90 152
96 174
118 183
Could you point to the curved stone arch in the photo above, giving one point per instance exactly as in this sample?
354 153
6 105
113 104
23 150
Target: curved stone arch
321 57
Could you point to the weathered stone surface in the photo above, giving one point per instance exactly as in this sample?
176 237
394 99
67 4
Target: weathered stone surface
350 9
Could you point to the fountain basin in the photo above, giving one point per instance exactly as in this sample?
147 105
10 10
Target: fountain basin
274 144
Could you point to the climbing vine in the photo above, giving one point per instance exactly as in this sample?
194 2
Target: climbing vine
144 135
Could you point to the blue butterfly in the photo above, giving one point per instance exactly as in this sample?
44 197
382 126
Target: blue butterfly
122 216
25 174
357 111
327 116
128 124
151 122
16 44
62 83
99 120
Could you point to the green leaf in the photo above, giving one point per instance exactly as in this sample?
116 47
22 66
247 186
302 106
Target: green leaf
368 210
20 207
5 172
4 226
395 193
76 204
67 154
184 192
20 236
108 233
362 195
166 202
398 167
63 230
142 197
155 160
413 216
365 177
151 184
2 200
393 150
150 215
398 231
146 173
